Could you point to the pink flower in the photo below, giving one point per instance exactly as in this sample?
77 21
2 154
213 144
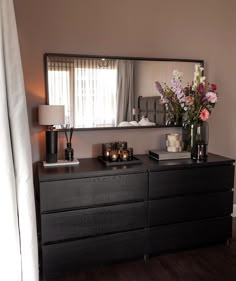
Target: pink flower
189 100
204 114
211 97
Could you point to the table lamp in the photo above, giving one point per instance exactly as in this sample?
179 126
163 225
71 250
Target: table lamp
51 115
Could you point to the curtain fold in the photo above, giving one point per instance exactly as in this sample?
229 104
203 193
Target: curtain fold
18 236
125 90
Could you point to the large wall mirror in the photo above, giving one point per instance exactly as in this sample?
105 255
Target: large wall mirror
104 92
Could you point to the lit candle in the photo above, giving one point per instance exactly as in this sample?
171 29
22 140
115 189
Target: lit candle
124 155
107 154
113 155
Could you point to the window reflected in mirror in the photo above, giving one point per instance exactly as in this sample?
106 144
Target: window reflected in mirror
102 92
87 88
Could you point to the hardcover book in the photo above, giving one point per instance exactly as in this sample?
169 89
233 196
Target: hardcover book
61 163
165 155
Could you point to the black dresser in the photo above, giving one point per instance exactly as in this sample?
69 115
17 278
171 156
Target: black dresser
91 214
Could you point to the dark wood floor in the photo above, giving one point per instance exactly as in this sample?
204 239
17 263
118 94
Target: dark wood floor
215 263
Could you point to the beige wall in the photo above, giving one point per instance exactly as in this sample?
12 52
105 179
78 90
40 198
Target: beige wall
203 29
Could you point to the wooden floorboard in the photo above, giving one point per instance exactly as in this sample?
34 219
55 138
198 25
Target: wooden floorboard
214 263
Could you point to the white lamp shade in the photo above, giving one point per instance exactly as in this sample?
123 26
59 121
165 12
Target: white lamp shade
51 115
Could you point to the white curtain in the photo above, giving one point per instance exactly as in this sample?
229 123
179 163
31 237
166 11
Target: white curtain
95 93
61 85
18 240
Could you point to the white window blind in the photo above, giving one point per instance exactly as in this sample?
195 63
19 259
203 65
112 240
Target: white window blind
87 87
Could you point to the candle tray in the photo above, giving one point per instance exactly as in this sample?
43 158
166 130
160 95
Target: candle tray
120 163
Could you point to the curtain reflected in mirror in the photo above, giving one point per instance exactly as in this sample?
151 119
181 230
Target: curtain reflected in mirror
102 92
125 90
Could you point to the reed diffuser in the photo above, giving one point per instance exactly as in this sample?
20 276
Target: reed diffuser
69 151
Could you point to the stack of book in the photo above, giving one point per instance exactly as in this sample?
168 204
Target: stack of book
165 155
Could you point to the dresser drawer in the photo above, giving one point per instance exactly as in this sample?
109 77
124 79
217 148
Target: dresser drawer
189 234
85 192
193 180
91 222
186 208
72 256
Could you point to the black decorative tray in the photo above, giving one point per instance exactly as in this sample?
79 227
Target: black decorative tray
120 163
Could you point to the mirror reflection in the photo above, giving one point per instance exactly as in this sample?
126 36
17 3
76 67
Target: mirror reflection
102 92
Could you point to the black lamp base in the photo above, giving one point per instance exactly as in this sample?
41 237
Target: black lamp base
51 146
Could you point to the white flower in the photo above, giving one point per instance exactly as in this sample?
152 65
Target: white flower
202 79
198 78
177 74
199 68
194 87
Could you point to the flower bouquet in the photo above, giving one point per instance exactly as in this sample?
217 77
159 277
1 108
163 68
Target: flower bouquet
192 104
199 99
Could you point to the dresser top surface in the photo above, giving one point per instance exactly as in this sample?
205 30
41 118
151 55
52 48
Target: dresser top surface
92 167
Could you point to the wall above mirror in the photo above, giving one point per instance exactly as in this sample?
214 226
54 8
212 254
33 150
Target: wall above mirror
103 92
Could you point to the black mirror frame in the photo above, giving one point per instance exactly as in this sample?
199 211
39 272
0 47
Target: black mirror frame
197 61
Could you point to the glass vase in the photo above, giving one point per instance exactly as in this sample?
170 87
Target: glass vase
196 137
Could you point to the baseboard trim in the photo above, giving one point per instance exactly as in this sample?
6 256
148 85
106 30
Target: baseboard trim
234 210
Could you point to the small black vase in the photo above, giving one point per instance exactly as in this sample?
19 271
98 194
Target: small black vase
69 152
